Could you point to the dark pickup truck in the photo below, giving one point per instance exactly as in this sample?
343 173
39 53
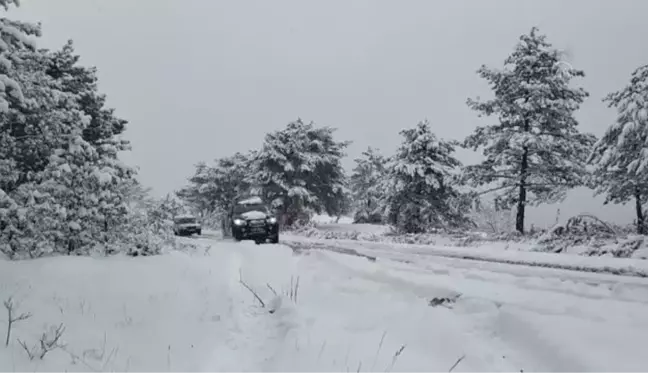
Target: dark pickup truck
250 218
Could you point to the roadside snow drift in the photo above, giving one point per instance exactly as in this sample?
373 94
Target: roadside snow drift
242 307
120 313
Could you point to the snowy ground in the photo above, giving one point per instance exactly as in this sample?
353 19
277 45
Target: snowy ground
478 245
189 312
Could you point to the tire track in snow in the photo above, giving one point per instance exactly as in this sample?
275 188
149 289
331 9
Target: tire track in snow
385 250
513 324
255 336
497 321
548 355
481 349
623 288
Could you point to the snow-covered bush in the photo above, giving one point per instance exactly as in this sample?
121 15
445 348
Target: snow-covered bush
490 218
299 169
147 228
626 247
14 37
65 195
212 188
582 235
366 181
310 230
420 192
63 189
596 235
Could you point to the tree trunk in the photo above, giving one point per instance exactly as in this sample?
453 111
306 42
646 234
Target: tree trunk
641 224
519 219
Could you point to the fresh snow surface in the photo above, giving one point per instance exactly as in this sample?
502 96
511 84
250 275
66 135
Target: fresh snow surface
188 311
360 228
325 219
254 215
419 253
345 224
371 240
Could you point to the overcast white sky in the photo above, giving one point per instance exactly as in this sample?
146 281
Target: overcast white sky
201 79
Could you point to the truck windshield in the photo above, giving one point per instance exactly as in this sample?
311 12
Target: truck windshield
185 220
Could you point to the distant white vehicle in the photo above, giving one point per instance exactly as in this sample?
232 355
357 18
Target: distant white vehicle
186 225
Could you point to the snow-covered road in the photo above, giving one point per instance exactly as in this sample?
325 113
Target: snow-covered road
190 311
339 318
549 319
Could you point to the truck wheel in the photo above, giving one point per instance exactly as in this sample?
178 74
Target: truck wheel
274 239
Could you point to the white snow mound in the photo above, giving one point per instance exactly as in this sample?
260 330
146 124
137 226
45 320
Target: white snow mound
251 201
254 215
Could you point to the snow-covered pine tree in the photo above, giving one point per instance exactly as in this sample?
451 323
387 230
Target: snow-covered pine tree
91 151
212 189
30 131
198 190
102 132
15 36
338 202
621 155
420 176
368 199
63 194
80 185
536 152
299 169
329 182
164 210
104 128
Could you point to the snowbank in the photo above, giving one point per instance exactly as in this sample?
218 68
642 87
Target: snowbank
157 313
538 319
243 307
190 312
411 252
325 220
619 246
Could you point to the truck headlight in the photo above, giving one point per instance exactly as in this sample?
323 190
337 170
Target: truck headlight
272 220
239 222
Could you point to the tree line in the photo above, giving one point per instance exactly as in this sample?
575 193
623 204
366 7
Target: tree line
533 153
63 189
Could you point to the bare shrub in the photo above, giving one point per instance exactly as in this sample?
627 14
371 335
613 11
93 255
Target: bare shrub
49 341
491 219
12 317
291 293
585 224
95 354
456 363
256 295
